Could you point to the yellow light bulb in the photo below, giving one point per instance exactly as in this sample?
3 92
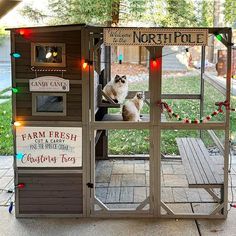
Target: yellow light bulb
85 64
54 54
17 123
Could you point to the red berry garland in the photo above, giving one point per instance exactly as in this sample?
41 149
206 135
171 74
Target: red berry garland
164 105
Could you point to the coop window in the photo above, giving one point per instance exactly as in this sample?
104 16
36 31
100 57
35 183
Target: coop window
48 54
50 104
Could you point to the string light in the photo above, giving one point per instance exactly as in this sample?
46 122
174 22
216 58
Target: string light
20 185
19 155
120 58
27 32
85 64
15 90
10 207
218 36
24 32
17 123
155 63
48 55
15 55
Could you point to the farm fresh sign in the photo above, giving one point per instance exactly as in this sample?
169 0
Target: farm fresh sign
49 146
154 37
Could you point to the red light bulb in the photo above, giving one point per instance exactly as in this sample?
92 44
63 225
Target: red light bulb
21 32
25 33
154 63
20 186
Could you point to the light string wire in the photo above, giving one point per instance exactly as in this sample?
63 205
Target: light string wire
186 49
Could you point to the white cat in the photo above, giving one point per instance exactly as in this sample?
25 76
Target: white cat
131 109
117 89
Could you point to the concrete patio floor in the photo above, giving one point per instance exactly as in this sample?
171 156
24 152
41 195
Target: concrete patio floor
9 225
125 184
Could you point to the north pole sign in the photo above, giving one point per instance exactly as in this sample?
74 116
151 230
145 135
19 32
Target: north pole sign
154 37
49 146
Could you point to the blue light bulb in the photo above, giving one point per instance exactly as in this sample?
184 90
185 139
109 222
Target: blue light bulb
16 55
19 156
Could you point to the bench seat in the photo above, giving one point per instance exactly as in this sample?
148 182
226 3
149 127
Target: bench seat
199 167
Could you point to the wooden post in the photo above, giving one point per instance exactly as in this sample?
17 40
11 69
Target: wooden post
203 54
155 75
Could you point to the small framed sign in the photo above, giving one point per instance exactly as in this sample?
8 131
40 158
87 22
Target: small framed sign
49 84
49 146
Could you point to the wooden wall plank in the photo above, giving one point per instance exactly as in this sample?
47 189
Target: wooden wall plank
49 201
44 209
51 193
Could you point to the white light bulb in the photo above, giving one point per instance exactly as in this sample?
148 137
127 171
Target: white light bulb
48 55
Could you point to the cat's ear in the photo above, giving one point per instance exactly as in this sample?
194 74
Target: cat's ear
117 77
124 77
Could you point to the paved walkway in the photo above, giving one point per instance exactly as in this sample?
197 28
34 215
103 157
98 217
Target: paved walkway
6 180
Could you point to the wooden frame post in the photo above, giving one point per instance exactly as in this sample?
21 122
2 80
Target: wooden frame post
155 75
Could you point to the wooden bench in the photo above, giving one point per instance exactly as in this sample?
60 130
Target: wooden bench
199 167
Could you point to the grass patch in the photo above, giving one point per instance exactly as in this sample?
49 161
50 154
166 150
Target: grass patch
137 141
6 137
127 142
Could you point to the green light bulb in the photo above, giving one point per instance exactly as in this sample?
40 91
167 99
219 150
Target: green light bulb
15 90
219 37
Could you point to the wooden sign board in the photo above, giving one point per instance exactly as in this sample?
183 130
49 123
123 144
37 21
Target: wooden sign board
49 84
49 146
154 37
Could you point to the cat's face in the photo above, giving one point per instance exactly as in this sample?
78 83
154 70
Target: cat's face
120 80
140 95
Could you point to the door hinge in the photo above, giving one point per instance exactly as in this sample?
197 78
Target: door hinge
90 185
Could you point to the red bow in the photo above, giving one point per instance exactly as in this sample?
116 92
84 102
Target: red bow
225 103
163 105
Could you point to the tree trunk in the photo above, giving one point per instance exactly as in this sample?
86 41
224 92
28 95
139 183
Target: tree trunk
217 22
115 22
111 52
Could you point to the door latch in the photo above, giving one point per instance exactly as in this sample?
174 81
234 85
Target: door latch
90 185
